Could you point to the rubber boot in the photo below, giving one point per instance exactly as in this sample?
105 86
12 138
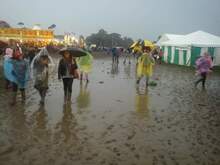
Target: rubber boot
81 78
42 100
13 99
23 96
147 82
87 78
69 97
65 99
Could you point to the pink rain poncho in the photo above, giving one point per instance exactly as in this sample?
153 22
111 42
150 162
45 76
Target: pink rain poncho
203 64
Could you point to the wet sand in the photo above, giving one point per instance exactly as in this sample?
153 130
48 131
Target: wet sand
111 121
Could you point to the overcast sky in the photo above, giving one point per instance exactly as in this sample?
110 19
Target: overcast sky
134 18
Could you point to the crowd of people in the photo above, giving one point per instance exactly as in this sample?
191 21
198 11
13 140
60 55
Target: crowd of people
18 68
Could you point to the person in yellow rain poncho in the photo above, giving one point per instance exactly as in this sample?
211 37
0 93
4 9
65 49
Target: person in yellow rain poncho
85 66
145 65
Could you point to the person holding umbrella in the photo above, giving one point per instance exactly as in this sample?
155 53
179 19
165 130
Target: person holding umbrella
68 69
145 65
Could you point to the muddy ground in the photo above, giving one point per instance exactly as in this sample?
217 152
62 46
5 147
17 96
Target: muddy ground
111 121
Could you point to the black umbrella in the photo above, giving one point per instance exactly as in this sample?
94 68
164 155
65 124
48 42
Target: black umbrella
75 52
20 23
52 26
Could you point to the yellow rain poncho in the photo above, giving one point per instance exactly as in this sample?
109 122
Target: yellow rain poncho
85 63
145 65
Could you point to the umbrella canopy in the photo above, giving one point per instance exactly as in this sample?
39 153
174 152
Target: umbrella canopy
75 52
135 44
20 23
52 26
148 43
4 24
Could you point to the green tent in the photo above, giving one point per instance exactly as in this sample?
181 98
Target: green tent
186 49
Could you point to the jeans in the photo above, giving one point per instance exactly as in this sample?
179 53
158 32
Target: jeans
67 85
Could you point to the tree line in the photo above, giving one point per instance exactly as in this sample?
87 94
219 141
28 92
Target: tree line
104 39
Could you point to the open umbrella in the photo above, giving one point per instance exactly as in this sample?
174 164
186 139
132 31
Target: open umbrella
75 52
52 26
135 44
147 43
20 23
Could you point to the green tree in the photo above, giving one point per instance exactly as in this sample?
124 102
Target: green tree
103 39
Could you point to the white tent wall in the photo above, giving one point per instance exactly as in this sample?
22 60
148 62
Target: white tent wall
172 54
199 51
203 50
165 54
177 55
188 57
217 56
181 60
195 45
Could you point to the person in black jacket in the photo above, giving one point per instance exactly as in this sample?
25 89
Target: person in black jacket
67 71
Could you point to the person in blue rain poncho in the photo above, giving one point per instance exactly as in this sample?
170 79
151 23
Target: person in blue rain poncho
19 75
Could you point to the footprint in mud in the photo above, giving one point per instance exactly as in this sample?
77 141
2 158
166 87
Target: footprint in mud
127 145
6 150
132 135
155 160
137 156
130 146
169 142
120 101
103 162
110 141
116 151
104 134
89 158
110 127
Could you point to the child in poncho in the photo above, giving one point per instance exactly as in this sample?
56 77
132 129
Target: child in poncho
85 66
145 65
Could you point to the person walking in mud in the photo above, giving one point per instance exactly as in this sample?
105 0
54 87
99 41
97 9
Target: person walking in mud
115 56
203 67
67 71
145 65
42 75
127 55
20 74
85 67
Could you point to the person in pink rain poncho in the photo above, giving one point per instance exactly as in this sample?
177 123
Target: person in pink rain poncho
203 67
